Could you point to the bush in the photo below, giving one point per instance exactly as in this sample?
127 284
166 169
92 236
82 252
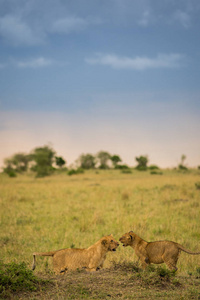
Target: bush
154 167
17 277
71 172
156 173
74 172
11 172
182 168
122 167
141 168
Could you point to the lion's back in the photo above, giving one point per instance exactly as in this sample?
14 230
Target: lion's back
71 259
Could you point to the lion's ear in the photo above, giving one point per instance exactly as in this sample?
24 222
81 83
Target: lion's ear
104 242
131 236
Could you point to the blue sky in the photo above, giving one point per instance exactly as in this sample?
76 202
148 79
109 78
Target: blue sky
121 76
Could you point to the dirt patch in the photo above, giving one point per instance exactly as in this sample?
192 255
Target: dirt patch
123 281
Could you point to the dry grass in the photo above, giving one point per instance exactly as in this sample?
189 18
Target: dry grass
62 211
124 281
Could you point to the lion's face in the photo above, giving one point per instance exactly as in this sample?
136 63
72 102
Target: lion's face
127 239
110 243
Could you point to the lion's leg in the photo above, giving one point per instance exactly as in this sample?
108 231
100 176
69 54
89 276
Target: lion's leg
145 262
58 267
171 265
171 261
143 258
63 271
101 264
92 267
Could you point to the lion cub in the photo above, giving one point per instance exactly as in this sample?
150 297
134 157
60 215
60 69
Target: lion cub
154 252
90 259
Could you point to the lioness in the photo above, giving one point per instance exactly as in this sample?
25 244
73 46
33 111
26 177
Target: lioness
90 259
154 252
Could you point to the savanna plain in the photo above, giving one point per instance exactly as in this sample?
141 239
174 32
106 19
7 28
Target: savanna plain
62 211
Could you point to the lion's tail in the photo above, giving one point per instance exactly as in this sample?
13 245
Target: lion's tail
187 251
51 253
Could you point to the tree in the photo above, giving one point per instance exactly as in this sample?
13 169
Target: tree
8 169
103 158
21 160
60 162
181 166
17 163
87 161
142 163
183 158
115 160
43 157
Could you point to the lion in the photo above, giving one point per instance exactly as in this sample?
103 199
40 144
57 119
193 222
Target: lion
91 258
157 252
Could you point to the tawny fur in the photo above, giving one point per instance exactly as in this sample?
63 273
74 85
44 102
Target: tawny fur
90 259
154 252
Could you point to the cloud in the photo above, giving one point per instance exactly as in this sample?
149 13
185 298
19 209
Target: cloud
39 62
14 30
31 22
68 25
183 18
137 63
145 19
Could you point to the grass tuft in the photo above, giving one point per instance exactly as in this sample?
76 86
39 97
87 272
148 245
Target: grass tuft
16 278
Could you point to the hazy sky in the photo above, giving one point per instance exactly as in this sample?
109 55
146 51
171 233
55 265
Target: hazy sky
121 76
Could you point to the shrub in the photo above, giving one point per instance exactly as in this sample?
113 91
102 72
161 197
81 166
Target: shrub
74 172
156 173
122 167
154 167
182 168
141 168
10 171
71 172
17 277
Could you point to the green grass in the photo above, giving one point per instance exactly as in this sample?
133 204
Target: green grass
17 278
60 211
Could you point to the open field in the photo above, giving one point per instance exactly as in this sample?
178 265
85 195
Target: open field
64 211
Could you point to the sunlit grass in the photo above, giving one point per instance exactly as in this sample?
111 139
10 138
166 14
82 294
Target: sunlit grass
62 211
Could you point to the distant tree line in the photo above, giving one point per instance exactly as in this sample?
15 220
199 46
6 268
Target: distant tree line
44 161
40 160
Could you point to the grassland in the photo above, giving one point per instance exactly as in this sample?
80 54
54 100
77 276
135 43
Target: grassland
64 211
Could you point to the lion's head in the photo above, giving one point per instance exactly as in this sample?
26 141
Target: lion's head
127 239
110 243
